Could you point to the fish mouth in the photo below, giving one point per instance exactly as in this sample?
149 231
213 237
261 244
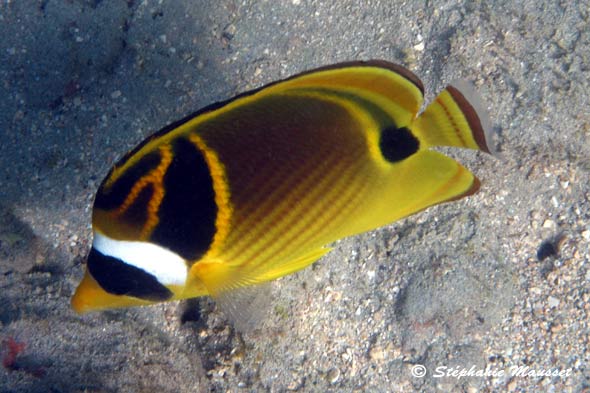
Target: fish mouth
90 296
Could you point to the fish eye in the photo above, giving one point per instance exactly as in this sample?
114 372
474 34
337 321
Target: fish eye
119 278
397 144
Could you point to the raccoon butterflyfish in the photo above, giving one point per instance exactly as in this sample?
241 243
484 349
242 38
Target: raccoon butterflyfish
251 189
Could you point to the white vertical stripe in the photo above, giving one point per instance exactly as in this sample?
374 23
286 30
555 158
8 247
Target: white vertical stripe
168 267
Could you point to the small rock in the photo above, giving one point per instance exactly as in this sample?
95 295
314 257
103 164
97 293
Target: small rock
333 375
552 301
377 354
511 387
230 31
296 385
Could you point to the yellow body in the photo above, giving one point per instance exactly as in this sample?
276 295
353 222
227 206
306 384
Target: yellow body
295 166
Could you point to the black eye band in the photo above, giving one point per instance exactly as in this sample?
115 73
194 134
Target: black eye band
118 278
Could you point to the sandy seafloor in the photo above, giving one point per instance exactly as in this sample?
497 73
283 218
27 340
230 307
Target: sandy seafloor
459 286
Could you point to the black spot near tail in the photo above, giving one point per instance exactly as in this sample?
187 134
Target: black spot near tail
397 144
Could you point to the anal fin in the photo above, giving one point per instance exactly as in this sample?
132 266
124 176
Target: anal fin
247 306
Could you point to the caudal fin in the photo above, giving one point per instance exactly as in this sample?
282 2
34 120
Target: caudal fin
456 118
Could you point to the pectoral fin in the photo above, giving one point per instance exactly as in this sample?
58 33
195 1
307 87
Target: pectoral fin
243 292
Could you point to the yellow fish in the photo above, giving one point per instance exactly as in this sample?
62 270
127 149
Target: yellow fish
248 190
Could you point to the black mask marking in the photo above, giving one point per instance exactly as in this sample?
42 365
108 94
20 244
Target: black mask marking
188 211
113 197
118 278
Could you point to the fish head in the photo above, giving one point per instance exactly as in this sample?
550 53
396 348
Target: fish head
123 273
